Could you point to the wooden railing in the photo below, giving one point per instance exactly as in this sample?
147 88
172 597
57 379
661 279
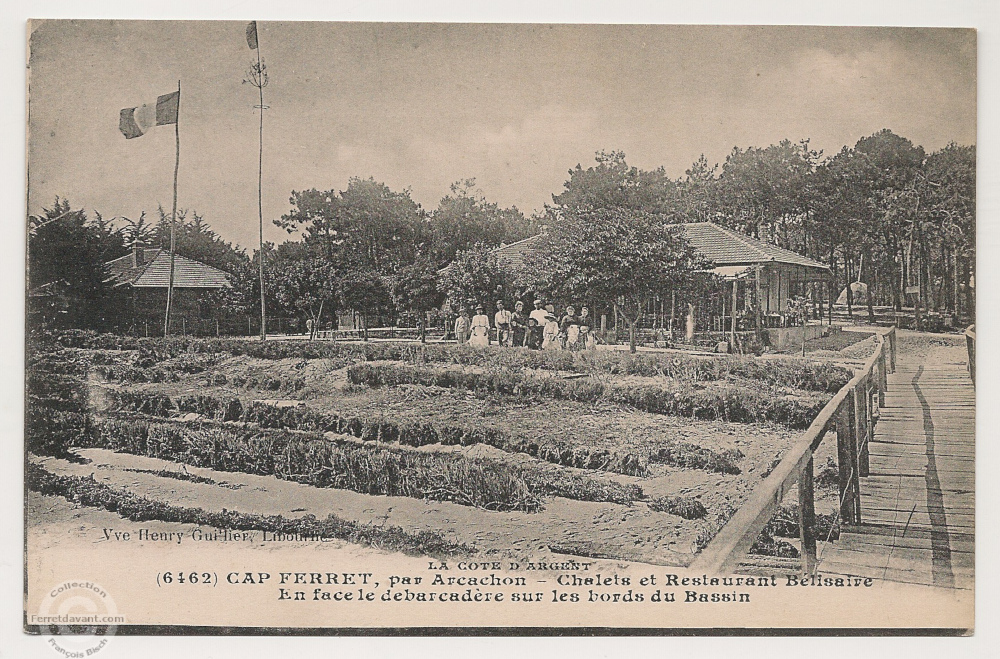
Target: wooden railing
853 412
970 343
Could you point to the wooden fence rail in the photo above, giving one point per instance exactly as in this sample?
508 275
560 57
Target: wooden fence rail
970 344
853 412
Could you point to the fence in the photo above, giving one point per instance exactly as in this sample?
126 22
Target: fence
853 412
970 344
384 333
219 326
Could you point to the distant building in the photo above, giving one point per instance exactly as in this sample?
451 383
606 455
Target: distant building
143 277
783 273
751 268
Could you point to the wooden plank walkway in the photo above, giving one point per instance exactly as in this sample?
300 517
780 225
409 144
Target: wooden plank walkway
918 503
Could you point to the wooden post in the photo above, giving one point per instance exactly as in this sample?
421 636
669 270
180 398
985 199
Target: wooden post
722 325
847 463
862 401
757 307
807 519
673 308
732 331
892 351
216 327
881 376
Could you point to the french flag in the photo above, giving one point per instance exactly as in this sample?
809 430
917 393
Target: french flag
135 122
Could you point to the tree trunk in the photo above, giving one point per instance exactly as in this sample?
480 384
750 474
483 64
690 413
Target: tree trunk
850 296
954 281
422 327
871 291
899 291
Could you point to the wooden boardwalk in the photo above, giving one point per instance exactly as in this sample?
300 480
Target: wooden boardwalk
918 502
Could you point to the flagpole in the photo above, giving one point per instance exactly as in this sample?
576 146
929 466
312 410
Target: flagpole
173 214
260 203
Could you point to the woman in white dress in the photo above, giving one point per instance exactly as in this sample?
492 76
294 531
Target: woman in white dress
480 329
550 335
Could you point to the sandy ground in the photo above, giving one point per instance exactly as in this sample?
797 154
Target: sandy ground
630 532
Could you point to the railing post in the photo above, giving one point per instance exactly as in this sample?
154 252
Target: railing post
847 461
892 350
807 519
882 381
862 426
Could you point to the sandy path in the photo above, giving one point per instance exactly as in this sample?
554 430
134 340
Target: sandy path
630 532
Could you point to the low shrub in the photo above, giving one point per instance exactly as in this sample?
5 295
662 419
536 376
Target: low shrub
766 545
785 524
798 373
410 433
582 488
57 405
828 476
144 402
316 460
685 454
213 407
268 381
89 492
685 507
54 432
715 401
176 475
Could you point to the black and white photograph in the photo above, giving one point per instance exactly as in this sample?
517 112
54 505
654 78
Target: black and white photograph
506 328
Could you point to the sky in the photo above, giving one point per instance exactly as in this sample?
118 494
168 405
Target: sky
421 105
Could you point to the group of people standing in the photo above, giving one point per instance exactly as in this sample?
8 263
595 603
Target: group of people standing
538 330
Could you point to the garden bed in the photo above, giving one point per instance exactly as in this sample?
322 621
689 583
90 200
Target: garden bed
572 445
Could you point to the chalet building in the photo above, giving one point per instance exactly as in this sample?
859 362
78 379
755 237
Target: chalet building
751 270
143 277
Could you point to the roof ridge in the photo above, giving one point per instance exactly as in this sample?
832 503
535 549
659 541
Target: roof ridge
189 260
518 242
749 241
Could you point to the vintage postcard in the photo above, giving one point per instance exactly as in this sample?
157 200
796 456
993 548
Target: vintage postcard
349 328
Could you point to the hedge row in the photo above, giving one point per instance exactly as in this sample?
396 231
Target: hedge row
685 507
57 406
315 460
692 456
380 429
89 492
800 374
725 401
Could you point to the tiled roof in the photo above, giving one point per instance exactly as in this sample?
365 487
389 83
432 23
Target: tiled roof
724 246
721 246
154 272
514 253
